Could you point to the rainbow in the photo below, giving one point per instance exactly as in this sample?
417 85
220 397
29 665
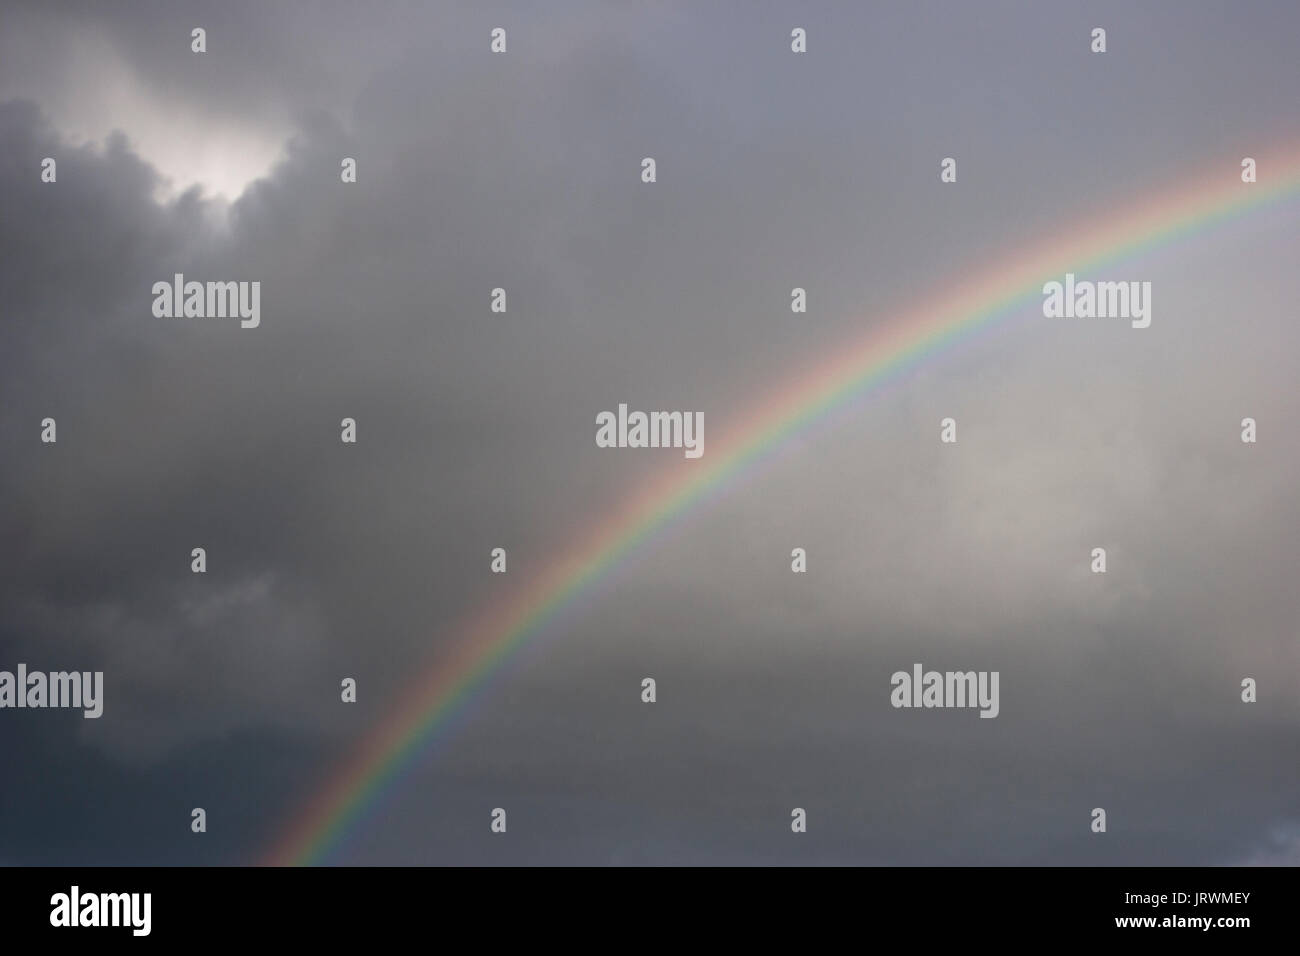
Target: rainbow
884 351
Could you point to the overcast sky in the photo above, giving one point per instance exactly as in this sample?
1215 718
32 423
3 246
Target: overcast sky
476 430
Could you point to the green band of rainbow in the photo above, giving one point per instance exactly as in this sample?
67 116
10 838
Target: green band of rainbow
489 637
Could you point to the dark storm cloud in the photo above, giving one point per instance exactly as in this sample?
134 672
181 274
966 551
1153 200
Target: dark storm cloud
475 431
